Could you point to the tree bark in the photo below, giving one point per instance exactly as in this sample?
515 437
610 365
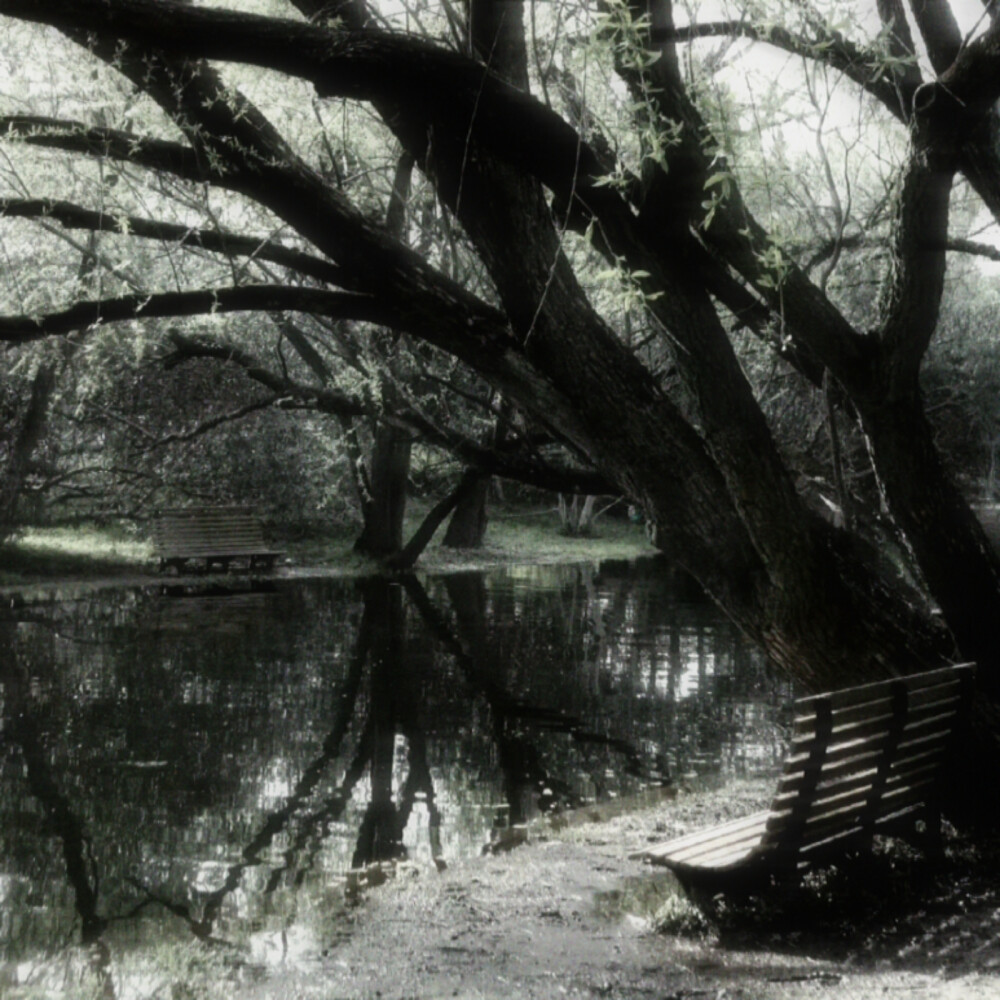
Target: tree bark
960 566
405 558
467 527
22 447
384 510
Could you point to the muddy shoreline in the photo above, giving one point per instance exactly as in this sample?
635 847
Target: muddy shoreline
569 915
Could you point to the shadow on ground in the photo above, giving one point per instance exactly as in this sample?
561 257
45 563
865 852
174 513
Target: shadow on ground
893 908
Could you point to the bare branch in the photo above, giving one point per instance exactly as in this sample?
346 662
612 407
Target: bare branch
429 82
212 422
115 144
901 47
83 316
863 66
326 399
503 462
973 247
72 216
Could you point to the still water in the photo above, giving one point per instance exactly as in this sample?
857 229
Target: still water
212 765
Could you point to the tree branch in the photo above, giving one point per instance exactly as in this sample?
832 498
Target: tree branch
203 302
370 65
906 72
495 461
326 399
973 247
939 30
77 137
260 165
212 422
825 46
72 216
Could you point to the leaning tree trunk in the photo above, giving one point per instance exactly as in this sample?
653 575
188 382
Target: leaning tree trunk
406 557
723 505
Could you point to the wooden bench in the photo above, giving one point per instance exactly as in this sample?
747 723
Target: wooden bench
863 761
210 538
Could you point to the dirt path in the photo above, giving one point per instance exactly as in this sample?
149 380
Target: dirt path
568 915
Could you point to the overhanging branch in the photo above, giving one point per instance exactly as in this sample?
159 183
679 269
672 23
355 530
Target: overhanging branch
231 416
429 82
72 216
863 67
325 400
503 462
84 316
128 147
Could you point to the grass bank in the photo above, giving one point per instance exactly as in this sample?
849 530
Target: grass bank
81 552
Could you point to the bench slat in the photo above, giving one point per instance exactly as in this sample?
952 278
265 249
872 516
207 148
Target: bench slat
862 780
922 718
821 842
833 810
721 857
685 840
875 690
827 827
930 750
944 694
745 838
930 729
710 855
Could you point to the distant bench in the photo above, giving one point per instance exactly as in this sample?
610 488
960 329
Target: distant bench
863 761
211 538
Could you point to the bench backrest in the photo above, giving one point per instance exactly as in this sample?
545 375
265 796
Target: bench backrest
201 530
864 755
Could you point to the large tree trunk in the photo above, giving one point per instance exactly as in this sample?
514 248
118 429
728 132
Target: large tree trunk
384 510
467 527
21 448
791 583
960 566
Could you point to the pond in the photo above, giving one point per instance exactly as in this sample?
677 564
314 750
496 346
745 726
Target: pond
210 763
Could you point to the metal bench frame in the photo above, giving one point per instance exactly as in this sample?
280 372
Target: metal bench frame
211 538
863 761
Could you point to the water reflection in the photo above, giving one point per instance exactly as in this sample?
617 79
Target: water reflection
208 766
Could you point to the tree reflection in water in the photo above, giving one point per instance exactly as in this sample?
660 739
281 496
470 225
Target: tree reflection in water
212 764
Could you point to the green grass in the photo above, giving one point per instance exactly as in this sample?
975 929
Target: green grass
515 535
72 552
531 535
